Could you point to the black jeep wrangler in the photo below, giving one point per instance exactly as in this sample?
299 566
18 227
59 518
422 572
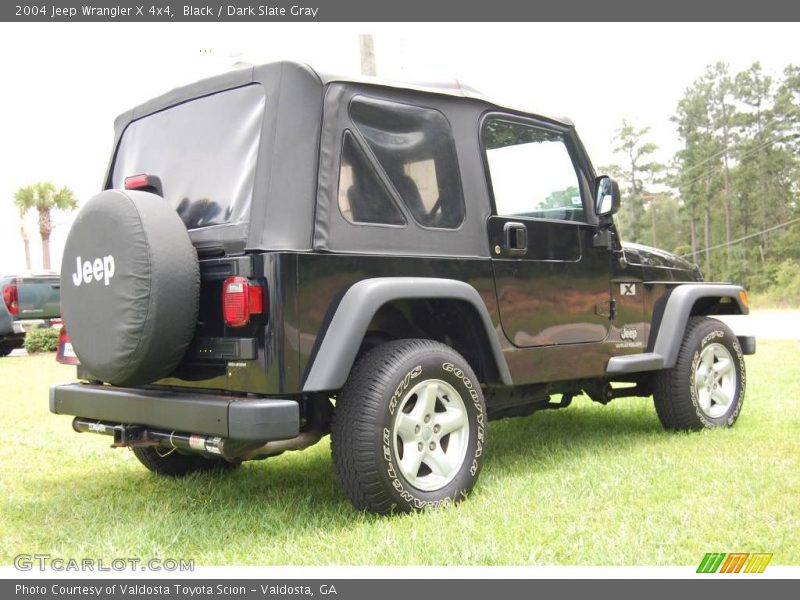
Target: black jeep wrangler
279 254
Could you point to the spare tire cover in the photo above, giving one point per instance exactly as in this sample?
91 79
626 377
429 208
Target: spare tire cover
130 287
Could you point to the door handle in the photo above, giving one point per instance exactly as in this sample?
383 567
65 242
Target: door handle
516 238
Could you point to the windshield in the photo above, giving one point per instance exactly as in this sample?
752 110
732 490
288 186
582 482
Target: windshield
204 151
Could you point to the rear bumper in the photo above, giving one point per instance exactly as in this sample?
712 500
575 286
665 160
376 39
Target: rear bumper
246 419
14 340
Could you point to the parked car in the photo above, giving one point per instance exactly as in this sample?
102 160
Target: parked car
27 301
278 254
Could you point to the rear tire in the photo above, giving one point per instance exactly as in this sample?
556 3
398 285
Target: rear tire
173 464
705 388
408 429
5 350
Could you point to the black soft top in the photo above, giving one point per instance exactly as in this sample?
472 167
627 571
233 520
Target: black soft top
293 204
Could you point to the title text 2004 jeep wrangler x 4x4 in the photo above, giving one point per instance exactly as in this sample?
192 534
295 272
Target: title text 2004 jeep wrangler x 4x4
279 254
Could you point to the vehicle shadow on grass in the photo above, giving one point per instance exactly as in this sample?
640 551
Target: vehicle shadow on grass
562 435
298 492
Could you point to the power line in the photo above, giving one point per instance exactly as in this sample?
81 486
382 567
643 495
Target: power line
742 156
724 150
741 239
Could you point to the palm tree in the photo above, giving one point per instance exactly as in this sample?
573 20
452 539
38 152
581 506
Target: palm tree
44 197
23 232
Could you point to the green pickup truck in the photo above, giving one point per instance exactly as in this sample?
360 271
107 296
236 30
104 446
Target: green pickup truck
26 301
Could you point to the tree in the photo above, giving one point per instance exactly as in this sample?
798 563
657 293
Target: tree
737 175
44 197
723 115
754 90
638 173
23 232
697 163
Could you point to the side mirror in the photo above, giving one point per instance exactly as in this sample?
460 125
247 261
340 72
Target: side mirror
607 197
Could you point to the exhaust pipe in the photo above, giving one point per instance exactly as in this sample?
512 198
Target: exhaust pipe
317 425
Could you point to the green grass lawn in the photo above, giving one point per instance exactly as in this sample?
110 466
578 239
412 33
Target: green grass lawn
589 485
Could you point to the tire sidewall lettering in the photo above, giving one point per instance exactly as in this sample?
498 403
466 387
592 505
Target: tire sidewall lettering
471 395
732 344
405 382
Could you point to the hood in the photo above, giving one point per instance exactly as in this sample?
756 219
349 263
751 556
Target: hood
647 256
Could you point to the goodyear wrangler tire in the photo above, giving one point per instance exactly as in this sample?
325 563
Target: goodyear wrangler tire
706 387
409 428
130 287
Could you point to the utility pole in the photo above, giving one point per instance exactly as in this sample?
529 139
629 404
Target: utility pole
367 54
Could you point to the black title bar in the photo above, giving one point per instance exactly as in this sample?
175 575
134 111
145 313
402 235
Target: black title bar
732 588
400 10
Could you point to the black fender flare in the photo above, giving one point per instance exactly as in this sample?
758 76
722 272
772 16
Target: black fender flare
342 339
674 318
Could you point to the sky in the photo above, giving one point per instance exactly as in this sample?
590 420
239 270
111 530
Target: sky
64 83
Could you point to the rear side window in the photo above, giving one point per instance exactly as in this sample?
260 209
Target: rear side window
415 149
362 196
204 151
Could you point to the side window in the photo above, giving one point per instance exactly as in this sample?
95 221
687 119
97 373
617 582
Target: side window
532 173
414 146
362 196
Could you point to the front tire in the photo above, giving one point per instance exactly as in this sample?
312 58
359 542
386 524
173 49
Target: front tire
705 389
171 463
409 428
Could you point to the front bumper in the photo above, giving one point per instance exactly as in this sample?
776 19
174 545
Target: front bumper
747 343
245 419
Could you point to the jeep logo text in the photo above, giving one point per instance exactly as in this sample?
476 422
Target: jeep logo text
96 270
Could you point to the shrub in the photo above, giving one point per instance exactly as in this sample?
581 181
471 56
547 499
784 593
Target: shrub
41 340
785 291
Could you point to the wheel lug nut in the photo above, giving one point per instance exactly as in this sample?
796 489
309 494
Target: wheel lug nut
419 446
416 429
427 418
432 446
437 428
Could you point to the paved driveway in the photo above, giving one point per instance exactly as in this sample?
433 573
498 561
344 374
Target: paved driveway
767 324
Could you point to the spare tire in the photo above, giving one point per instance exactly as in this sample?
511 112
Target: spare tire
130 287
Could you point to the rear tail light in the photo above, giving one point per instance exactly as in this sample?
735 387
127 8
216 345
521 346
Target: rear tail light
65 354
11 298
240 299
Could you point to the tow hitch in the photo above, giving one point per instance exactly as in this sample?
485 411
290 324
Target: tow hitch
136 435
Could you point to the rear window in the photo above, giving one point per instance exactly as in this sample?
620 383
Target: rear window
204 151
